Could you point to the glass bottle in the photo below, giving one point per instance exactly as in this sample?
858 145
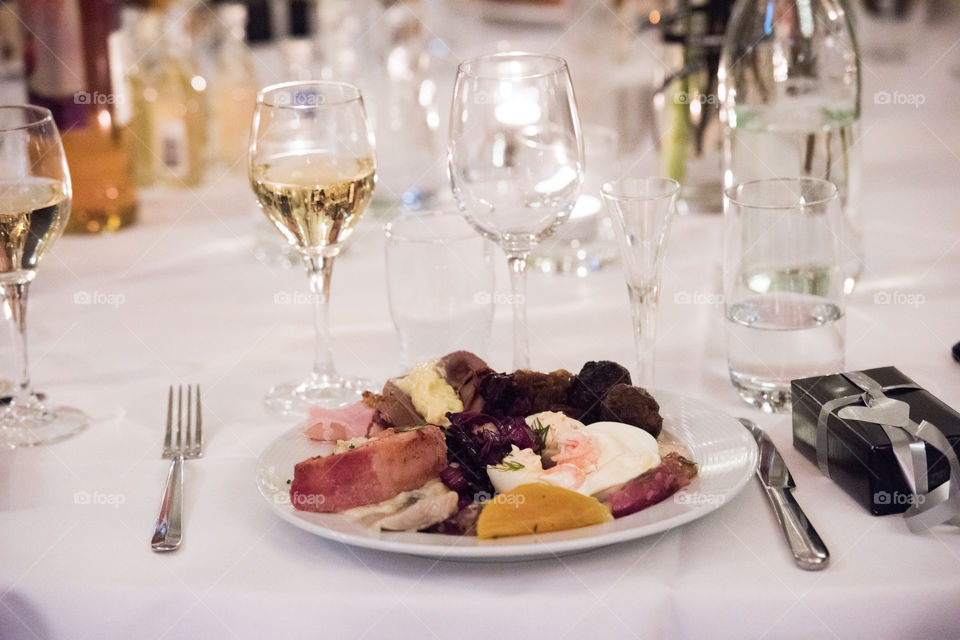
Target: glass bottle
74 67
789 85
233 89
690 130
405 112
174 96
145 29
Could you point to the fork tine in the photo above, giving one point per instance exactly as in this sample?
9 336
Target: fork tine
188 436
179 418
168 436
199 420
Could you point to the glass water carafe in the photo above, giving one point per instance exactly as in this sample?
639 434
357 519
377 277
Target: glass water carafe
789 85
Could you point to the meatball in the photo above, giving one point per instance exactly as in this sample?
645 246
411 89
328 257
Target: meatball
591 384
633 406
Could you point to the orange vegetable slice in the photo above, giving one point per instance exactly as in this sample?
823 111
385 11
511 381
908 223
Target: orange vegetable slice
538 508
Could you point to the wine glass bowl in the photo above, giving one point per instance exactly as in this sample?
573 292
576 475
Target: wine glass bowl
515 156
34 207
312 169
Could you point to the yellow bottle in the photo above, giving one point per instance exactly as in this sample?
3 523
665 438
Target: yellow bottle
174 99
233 90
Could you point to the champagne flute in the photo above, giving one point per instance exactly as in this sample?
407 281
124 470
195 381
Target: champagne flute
312 170
34 207
516 159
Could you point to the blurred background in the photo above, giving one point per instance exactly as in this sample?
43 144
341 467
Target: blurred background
159 95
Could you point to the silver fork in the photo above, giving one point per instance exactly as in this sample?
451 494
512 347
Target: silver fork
186 444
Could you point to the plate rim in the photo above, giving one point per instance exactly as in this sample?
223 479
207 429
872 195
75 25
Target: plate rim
540 546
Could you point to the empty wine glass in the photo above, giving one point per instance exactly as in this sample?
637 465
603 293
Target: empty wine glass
34 207
312 170
516 159
641 209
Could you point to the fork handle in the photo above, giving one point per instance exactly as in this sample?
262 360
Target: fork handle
169 529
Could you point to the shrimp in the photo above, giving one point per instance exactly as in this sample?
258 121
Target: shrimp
579 450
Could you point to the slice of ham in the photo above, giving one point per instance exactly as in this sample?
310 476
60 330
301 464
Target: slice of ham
373 472
463 370
656 485
330 425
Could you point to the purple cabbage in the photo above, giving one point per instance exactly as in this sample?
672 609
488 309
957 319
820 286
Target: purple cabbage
475 440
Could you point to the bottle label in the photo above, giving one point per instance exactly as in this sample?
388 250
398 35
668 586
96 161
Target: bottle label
54 59
123 109
172 147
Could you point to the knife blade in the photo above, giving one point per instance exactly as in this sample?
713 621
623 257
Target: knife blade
809 551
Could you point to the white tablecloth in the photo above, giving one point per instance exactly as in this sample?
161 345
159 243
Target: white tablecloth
180 298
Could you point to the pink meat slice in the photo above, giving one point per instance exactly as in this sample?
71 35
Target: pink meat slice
374 471
330 425
656 485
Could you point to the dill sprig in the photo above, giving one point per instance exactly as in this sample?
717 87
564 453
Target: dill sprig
541 430
509 465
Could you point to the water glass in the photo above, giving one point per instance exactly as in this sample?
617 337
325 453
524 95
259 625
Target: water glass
783 286
440 283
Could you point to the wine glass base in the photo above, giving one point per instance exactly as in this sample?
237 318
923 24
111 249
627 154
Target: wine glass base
35 426
290 399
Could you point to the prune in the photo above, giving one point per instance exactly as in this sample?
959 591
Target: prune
632 405
545 391
589 386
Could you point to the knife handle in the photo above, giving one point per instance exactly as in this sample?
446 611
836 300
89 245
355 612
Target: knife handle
809 552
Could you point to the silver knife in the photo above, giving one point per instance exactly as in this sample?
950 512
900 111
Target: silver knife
808 549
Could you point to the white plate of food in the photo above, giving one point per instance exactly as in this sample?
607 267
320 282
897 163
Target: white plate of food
723 449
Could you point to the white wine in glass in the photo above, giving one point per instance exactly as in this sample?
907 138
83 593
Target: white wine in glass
312 169
34 207
516 159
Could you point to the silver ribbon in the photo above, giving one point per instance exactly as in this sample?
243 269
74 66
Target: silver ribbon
907 438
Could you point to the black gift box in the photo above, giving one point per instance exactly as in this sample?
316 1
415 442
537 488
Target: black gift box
859 454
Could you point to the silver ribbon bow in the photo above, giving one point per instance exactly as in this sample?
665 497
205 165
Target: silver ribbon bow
907 438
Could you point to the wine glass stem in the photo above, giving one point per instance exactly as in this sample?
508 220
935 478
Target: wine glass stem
643 305
319 270
15 308
517 265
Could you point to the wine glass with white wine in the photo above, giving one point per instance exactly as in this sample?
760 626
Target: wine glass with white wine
312 169
34 207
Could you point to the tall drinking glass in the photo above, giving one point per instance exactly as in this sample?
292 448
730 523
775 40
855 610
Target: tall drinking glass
34 207
783 286
312 170
641 209
516 159
440 284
